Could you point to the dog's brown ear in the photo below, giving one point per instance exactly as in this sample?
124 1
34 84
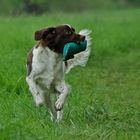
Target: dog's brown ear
40 34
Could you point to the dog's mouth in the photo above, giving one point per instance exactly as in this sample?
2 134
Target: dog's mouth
78 41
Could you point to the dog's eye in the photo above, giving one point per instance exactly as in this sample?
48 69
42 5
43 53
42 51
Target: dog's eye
68 32
53 32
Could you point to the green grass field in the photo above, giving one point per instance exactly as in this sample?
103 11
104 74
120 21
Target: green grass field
105 100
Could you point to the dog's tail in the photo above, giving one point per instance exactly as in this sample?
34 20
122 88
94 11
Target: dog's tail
82 57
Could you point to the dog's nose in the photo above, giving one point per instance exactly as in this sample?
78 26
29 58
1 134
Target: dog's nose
82 37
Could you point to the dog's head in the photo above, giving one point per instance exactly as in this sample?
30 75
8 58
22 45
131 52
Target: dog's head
56 37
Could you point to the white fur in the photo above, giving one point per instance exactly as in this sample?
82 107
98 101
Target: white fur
47 76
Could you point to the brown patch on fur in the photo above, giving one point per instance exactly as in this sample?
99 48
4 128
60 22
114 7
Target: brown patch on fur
41 34
29 62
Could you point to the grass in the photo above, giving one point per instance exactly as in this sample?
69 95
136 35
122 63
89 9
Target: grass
104 102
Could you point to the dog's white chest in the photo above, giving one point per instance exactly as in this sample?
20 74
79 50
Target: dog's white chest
47 66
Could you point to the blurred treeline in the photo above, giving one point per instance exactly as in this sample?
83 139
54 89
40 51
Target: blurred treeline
18 7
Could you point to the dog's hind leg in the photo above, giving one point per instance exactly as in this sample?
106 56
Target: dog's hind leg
48 103
59 115
63 91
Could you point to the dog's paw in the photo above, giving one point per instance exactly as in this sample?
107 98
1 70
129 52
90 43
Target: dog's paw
39 103
59 104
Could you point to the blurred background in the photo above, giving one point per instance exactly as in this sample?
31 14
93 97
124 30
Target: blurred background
39 7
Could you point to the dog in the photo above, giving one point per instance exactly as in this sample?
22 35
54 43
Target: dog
46 69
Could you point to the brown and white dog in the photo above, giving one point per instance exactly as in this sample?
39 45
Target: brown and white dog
46 68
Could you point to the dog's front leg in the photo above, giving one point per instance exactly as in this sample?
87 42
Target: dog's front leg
35 91
63 90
